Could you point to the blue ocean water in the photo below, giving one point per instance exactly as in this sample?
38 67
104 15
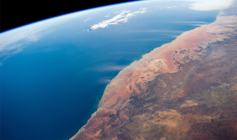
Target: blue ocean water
50 89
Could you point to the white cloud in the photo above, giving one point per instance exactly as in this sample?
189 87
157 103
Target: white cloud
87 19
120 18
207 5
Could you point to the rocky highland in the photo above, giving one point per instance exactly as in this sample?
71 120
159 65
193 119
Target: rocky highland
183 90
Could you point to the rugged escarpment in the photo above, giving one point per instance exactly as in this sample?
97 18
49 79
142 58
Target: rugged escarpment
186 89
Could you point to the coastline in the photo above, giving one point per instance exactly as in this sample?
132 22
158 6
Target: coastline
124 72
190 46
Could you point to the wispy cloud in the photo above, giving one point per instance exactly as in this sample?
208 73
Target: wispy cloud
193 23
13 41
175 6
87 19
179 6
160 31
108 67
107 15
104 80
120 18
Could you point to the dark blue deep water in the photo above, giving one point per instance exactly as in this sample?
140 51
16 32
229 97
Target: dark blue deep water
50 89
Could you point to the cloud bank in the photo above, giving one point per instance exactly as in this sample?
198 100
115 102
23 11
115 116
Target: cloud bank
200 5
207 5
120 18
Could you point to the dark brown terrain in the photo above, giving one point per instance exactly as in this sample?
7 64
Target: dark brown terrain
183 90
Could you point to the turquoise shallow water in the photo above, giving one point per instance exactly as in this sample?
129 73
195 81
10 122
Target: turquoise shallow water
50 89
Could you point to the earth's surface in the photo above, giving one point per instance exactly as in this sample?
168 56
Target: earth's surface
56 73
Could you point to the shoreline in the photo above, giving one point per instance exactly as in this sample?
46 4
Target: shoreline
133 64
190 46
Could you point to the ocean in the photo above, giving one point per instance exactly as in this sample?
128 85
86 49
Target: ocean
50 89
